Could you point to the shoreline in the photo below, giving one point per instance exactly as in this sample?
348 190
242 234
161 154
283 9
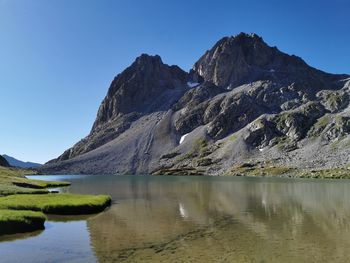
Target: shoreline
242 170
24 203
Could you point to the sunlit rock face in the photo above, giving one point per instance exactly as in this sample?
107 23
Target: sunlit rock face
240 97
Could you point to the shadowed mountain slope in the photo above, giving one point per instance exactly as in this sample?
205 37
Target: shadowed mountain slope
4 162
17 163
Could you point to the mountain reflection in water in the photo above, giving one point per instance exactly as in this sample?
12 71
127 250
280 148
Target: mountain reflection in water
219 219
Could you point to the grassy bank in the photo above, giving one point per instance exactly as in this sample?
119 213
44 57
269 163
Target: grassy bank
15 172
12 221
284 171
61 204
12 181
23 202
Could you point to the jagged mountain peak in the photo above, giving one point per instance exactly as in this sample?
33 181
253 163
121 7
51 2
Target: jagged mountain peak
144 67
244 58
136 88
147 62
145 58
242 99
242 38
151 63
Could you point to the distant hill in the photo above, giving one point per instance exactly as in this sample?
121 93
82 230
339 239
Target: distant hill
3 162
14 162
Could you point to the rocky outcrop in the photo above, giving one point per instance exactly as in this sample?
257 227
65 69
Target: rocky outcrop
3 162
246 58
242 100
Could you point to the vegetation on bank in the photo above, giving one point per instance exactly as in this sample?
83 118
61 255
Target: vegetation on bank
334 173
18 172
248 169
16 221
179 171
251 170
263 170
61 204
23 201
12 181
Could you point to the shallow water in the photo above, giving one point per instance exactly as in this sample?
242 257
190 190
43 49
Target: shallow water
196 219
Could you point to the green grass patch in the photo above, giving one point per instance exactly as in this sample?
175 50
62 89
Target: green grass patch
319 126
12 181
334 100
251 170
322 122
23 213
62 204
199 144
12 221
179 171
334 173
10 171
199 148
41 184
21 185
233 137
9 189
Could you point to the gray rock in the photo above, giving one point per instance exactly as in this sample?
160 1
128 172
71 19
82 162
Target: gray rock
243 102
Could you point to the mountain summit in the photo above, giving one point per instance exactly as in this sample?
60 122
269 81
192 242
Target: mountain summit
146 86
242 101
245 58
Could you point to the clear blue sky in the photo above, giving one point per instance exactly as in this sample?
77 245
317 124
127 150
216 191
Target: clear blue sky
58 57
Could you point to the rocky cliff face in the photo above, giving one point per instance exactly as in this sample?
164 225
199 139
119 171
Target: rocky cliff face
146 86
242 101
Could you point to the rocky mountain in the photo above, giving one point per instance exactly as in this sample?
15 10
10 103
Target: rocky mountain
3 162
243 101
17 163
146 87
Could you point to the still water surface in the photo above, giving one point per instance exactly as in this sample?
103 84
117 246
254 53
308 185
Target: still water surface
196 219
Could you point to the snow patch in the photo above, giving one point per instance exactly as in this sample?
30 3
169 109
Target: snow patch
192 84
183 138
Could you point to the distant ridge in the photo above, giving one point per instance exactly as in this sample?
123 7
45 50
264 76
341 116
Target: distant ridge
17 163
3 162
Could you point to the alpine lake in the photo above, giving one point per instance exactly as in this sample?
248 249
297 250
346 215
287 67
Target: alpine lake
195 219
